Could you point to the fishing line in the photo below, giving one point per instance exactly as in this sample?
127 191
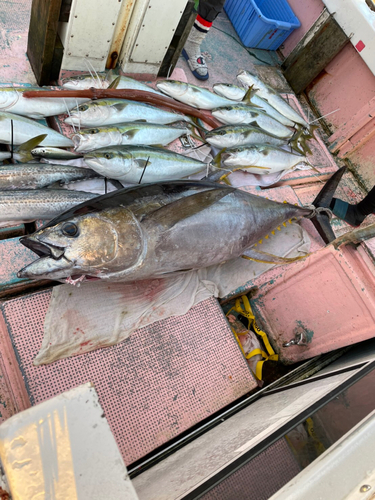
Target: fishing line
67 108
11 139
338 109
94 70
144 170
169 71
79 117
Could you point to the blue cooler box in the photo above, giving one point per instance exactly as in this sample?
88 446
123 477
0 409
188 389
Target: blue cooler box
262 24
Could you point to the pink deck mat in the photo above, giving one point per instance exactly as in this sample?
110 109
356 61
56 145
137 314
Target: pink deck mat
156 384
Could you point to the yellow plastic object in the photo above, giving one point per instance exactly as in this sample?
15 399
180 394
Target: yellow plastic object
248 313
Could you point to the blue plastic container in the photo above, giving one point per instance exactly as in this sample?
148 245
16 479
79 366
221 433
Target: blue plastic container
262 24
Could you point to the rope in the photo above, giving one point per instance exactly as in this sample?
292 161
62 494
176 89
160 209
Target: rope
318 210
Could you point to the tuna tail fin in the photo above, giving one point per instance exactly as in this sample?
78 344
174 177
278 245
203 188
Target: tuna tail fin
323 200
24 150
247 97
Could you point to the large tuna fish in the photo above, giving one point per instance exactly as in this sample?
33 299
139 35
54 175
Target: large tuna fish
153 230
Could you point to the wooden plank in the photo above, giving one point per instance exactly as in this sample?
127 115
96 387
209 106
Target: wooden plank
42 37
317 48
177 44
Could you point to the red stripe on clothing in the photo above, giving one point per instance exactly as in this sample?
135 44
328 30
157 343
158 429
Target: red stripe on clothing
203 21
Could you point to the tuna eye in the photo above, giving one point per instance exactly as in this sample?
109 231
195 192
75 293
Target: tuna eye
70 229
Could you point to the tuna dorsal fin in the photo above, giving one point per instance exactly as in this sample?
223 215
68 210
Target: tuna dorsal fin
24 150
173 213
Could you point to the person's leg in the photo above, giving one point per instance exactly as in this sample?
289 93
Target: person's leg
208 10
354 214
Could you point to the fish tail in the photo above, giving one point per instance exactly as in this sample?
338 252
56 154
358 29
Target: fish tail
249 95
197 123
324 198
24 150
312 129
216 162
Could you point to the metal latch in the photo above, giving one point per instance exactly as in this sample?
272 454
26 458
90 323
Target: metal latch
299 339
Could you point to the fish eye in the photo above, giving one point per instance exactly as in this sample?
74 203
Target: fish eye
93 131
108 156
83 108
70 229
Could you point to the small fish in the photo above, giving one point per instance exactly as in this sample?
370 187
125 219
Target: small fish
54 153
230 136
84 82
258 159
252 99
39 175
12 101
30 205
125 82
112 111
229 91
238 114
25 129
152 230
134 133
130 164
271 96
187 93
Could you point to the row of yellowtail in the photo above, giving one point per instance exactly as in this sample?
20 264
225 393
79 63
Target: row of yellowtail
121 140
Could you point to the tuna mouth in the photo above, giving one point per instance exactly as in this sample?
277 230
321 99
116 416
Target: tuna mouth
42 249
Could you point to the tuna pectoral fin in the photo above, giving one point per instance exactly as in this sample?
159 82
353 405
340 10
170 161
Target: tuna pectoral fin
269 258
170 215
24 150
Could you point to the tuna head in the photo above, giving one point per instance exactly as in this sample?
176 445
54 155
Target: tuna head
173 88
93 245
110 162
